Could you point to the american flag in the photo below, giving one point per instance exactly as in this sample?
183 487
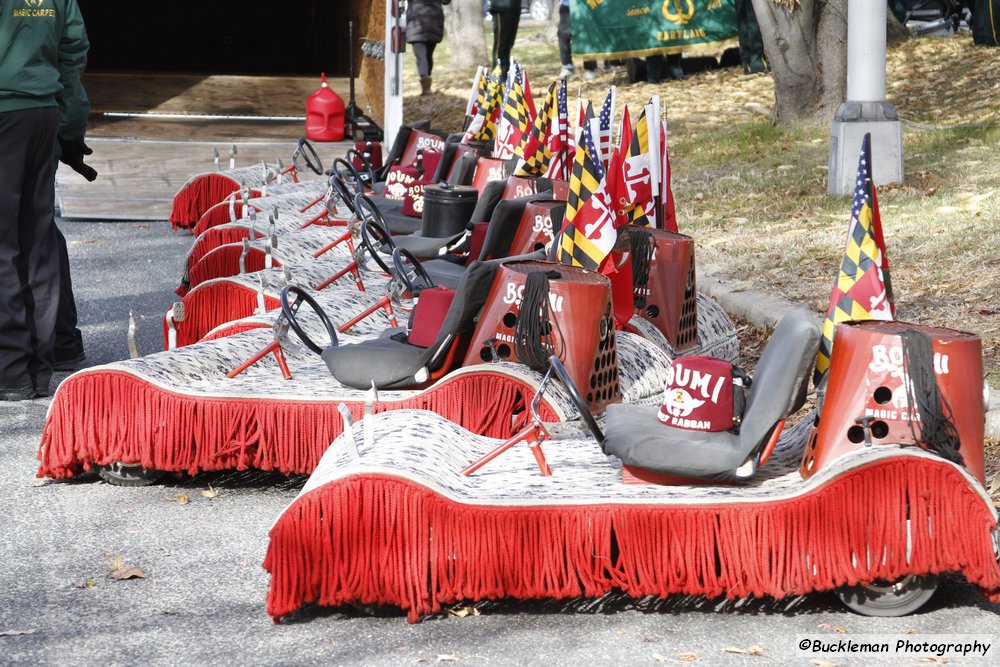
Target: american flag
603 129
558 141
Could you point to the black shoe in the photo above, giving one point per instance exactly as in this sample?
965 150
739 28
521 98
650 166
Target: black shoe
69 363
23 394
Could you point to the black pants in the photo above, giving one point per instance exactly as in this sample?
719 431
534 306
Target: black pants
505 24
29 256
69 340
424 53
564 32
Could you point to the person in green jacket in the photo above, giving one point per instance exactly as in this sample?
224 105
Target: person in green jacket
43 52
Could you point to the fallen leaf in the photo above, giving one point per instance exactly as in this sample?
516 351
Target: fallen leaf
753 650
989 311
211 492
16 633
688 657
130 572
840 629
444 657
462 612
87 583
912 631
180 499
825 626
120 570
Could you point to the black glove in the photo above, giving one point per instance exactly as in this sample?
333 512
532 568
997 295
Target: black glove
71 154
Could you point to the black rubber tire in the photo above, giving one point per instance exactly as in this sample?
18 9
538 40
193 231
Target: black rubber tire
290 312
578 400
890 599
128 474
305 149
398 255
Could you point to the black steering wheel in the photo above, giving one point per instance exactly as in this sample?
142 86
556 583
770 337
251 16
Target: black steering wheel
369 174
289 312
399 255
348 172
373 237
308 153
577 397
342 192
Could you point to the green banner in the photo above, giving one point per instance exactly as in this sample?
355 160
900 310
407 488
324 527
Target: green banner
635 28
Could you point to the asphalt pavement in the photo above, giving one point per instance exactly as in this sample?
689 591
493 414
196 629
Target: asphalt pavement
201 600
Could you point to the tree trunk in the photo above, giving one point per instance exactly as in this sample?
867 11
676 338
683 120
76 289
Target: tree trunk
463 26
805 42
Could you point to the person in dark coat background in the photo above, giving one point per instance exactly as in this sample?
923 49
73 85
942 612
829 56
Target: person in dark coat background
424 30
43 52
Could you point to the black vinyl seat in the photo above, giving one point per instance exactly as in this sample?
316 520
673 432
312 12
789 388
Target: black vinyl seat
391 362
504 218
634 434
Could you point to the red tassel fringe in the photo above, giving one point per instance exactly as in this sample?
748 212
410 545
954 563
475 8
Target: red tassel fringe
368 539
197 195
218 214
211 305
224 261
104 416
214 238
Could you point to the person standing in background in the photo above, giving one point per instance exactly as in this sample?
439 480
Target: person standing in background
43 52
424 30
506 17
564 31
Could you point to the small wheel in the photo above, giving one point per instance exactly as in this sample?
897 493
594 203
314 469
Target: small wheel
578 400
343 192
884 598
128 474
309 155
420 280
348 172
290 312
368 176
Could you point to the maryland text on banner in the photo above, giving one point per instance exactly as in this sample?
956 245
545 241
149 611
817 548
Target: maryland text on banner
636 28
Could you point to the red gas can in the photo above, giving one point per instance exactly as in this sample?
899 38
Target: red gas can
325 115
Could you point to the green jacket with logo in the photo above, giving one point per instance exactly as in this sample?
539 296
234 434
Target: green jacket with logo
43 52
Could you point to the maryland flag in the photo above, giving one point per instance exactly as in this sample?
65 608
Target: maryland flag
478 93
517 116
589 232
638 176
537 150
483 125
861 292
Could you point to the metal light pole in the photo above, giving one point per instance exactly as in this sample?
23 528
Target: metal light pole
866 109
394 44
